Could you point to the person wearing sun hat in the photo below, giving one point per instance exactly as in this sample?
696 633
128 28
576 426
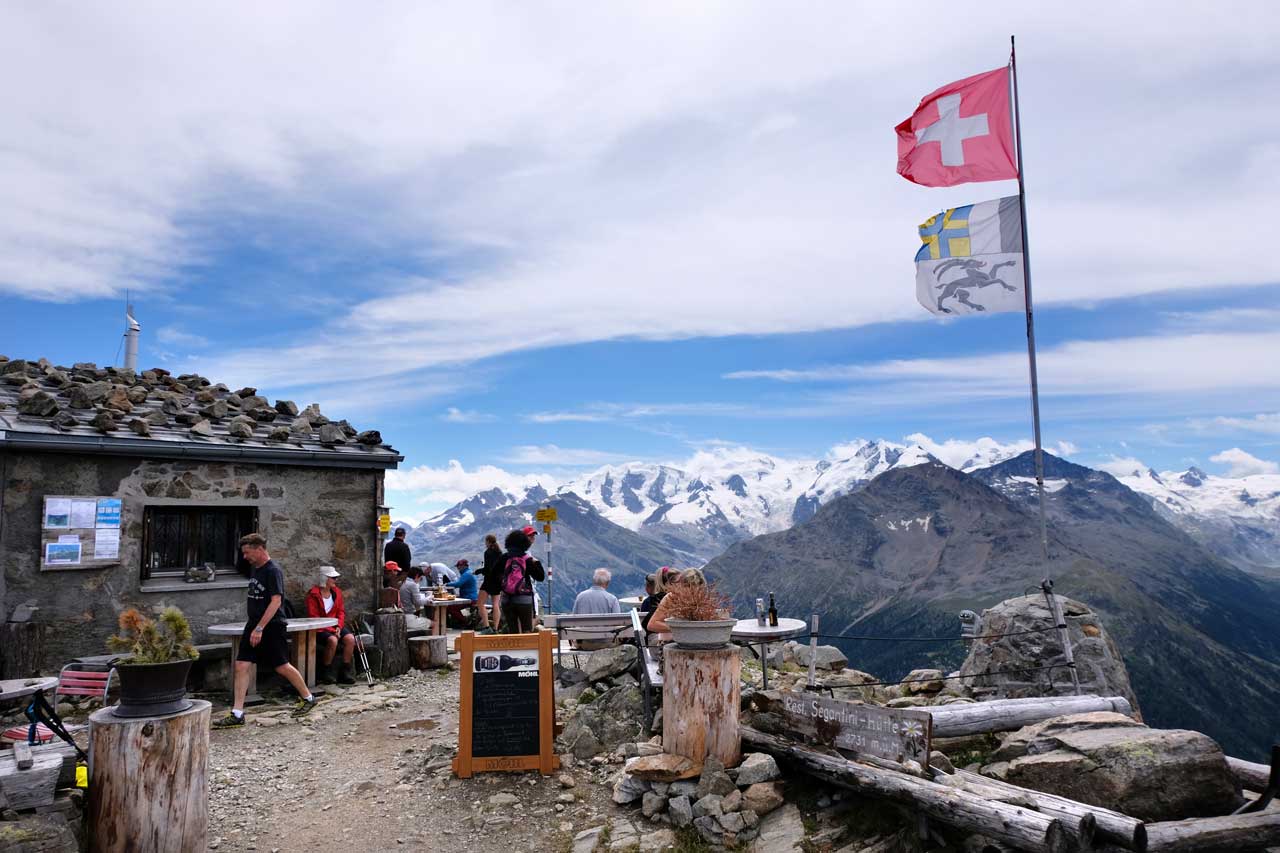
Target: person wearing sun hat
324 600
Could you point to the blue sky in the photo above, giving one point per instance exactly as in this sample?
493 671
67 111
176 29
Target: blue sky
549 237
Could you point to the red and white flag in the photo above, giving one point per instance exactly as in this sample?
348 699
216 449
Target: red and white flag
962 132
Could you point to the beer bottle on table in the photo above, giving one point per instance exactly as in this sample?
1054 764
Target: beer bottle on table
773 612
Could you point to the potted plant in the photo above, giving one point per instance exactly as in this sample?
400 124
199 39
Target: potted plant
699 616
153 678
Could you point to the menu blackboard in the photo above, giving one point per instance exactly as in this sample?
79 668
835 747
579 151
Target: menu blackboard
506 707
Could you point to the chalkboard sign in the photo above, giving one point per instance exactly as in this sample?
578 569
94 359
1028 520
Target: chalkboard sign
506 703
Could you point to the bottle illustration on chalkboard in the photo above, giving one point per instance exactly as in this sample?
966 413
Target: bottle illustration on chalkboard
495 663
773 612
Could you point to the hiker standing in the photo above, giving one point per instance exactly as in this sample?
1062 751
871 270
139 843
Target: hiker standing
491 587
397 550
519 572
265 639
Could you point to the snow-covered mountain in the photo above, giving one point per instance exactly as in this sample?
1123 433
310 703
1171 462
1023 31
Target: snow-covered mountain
1237 518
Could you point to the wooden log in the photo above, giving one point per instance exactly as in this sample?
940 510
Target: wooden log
429 652
389 631
1128 832
1248 774
1011 825
58 746
1003 715
1079 827
22 755
1253 831
148 782
33 786
21 649
701 704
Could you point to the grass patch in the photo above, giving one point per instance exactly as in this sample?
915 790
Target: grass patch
586 697
688 840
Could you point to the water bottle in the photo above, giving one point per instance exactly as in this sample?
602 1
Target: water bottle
760 611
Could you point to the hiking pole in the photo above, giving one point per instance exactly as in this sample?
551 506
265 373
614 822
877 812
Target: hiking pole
364 658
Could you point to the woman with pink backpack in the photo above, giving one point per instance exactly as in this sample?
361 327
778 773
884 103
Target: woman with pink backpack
520 570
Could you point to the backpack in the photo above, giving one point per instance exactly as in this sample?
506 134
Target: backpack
514 579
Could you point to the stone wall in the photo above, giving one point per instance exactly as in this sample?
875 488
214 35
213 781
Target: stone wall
311 516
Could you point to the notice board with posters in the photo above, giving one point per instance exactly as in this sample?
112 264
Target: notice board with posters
506 703
79 532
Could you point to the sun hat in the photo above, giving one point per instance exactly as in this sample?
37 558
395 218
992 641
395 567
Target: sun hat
330 572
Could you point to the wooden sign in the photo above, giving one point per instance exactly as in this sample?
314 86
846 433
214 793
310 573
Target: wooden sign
507 712
896 734
547 514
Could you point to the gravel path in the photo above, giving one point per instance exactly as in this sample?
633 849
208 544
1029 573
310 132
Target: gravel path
369 770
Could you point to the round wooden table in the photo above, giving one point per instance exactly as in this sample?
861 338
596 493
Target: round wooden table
750 631
303 654
440 612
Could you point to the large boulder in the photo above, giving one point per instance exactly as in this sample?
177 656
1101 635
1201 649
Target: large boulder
602 725
828 657
606 663
780 832
1109 760
1033 642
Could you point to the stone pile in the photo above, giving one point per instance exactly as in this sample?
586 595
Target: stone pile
113 400
602 702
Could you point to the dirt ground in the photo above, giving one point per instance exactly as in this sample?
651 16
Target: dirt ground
369 771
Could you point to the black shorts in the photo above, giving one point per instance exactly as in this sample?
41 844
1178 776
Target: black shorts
272 650
493 585
331 632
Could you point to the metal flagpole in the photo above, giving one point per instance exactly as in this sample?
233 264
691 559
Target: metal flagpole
1031 356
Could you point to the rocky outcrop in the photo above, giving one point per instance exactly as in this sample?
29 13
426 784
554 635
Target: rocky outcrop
1033 642
1110 760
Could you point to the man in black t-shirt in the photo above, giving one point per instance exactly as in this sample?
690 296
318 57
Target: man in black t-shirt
397 551
265 639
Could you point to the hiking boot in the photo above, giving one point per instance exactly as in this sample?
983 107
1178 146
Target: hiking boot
304 707
230 721
344 676
326 675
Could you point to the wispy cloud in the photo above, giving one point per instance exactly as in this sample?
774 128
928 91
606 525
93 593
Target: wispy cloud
175 336
551 454
1121 466
455 415
1263 423
1241 463
453 482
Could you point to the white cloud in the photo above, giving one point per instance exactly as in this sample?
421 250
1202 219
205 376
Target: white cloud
955 452
1265 423
1158 364
455 415
551 454
1122 466
1241 463
631 170
1067 448
175 336
454 482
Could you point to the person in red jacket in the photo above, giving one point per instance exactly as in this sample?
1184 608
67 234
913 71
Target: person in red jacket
325 600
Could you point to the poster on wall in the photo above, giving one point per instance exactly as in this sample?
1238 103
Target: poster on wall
83 513
57 512
108 513
106 544
62 553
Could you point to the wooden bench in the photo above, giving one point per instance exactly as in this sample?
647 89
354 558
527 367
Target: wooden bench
649 670
588 626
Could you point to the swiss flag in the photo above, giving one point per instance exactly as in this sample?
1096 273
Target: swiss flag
960 133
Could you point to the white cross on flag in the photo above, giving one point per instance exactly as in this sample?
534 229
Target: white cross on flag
960 133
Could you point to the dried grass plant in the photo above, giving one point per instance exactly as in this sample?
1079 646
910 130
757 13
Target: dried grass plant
697 603
148 640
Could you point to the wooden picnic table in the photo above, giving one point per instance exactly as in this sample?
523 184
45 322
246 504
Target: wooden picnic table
303 655
440 612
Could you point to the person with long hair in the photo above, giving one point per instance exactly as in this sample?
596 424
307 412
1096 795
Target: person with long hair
655 588
659 631
491 586
517 598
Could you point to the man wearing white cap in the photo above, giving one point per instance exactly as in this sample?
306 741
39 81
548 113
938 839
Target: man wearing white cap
325 600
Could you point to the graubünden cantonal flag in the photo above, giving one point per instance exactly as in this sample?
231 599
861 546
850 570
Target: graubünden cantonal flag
960 133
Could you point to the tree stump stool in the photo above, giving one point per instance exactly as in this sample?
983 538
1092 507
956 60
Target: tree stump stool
148 782
700 703
429 652
389 633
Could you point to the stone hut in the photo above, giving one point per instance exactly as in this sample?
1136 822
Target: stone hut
113 484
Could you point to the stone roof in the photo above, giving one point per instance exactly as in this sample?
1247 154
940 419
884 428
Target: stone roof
154 413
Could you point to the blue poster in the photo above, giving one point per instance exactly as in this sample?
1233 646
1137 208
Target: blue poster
108 512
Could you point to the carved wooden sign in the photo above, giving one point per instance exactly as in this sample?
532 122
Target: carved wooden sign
895 734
